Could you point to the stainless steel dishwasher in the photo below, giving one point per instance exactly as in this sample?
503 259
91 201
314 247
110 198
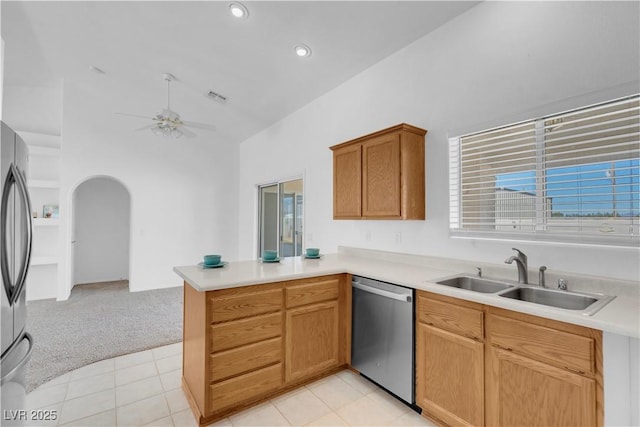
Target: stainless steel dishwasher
383 335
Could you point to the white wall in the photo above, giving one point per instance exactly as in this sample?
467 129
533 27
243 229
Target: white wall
183 197
33 109
183 192
101 210
498 62
1 73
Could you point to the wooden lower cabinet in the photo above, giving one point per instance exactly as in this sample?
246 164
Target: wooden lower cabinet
449 365
244 345
312 340
243 388
530 393
450 374
481 365
541 372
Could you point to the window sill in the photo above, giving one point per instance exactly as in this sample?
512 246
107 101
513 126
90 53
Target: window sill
630 243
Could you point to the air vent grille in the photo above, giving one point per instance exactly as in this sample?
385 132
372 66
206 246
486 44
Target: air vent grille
217 97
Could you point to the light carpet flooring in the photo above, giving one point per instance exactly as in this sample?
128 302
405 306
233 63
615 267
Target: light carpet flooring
99 321
144 388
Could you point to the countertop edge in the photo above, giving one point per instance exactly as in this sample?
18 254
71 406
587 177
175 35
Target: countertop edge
604 320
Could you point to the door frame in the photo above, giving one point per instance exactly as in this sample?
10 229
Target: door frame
257 219
66 281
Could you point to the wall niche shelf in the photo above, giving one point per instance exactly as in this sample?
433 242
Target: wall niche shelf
46 222
44 260
44 188
43 183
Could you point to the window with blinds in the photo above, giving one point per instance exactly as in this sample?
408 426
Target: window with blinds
573 177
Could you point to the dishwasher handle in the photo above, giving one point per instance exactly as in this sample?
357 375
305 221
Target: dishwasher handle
381 292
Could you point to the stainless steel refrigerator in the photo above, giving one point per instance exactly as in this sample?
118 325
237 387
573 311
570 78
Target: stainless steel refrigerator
15 254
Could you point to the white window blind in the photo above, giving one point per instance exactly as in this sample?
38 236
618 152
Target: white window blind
573 176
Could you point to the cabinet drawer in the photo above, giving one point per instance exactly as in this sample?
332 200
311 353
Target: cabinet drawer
246 331
224 308
243 359
463 321
245 387
563 349
312 292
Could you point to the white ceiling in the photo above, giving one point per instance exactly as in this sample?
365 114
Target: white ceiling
249 61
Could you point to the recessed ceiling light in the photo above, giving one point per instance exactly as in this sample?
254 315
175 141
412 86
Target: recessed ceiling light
238 10
302 50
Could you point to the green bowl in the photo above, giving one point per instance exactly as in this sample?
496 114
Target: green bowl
269 255
313 251
212 259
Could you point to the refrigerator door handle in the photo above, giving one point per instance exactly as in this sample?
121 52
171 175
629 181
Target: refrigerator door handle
26 252
4 259
13 289
20 365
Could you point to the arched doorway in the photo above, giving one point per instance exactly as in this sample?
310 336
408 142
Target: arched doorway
100 230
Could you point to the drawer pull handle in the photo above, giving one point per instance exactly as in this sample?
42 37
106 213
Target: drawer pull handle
575 371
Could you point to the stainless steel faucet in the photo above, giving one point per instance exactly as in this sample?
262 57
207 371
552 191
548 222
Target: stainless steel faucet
521 263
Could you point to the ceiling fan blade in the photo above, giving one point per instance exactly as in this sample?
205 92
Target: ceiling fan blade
199 125
186 132
146 127
135 115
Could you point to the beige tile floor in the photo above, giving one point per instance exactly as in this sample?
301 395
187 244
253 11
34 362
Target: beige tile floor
143 389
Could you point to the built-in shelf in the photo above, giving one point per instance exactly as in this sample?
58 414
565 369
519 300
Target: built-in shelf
40 139
39 150
46 222
44 260
43 183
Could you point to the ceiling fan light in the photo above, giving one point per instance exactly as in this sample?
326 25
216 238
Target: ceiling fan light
302 50
238 10
176 133
167 131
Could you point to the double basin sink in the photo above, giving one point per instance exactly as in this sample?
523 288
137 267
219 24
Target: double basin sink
584 303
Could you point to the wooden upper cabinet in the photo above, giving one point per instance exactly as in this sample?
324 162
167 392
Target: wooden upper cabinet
381 175
347 182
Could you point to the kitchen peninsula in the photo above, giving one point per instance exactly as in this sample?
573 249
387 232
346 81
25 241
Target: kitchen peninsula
254 330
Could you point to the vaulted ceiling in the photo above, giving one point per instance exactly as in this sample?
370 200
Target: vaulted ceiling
250 61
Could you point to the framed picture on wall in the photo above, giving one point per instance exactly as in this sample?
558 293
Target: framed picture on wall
50 211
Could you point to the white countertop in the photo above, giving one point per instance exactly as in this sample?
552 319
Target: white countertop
620 316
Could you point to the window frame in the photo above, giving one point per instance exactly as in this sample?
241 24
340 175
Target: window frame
540 234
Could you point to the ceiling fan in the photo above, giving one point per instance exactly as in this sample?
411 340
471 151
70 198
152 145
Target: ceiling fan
167 122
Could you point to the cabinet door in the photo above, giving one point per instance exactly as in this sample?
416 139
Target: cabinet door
312 340
524 392
347 182
449 376
381 177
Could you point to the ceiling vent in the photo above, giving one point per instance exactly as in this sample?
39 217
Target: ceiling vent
217 97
